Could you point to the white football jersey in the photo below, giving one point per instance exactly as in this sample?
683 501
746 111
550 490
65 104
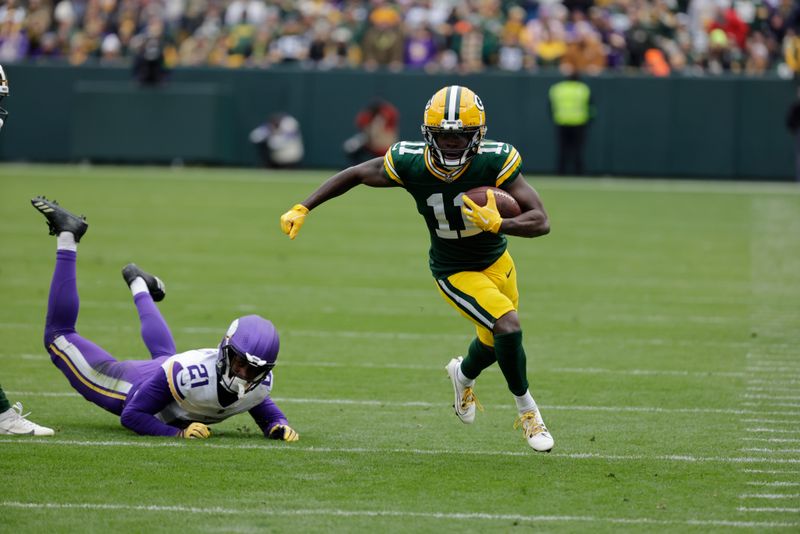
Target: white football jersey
192 380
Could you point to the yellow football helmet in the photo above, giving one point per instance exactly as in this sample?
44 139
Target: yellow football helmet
454 125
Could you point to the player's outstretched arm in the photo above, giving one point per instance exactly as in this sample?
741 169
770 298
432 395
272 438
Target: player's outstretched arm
272 421
139 412
533 221
369 173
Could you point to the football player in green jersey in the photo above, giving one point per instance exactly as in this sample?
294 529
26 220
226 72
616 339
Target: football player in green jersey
468 258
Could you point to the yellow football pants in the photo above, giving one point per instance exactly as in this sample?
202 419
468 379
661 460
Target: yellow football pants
483 296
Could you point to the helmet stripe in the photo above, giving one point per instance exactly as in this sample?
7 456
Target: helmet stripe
451 102
457 100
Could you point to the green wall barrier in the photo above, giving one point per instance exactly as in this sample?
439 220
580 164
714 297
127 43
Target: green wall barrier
119 121
675 127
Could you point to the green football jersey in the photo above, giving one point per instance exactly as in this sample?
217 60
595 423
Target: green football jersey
456 244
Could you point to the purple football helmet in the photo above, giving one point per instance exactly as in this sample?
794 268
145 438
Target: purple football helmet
247 354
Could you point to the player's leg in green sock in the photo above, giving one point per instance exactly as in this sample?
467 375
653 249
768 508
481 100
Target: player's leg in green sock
479 357
511 359
4 404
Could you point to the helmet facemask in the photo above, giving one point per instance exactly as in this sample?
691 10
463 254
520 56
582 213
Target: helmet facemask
444 145
239 372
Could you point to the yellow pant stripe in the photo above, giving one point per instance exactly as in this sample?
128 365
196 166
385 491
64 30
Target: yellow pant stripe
80 377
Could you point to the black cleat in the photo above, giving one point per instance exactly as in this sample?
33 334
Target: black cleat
59 219
154 284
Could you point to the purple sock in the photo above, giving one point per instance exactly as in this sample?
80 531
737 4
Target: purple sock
155 331
63 302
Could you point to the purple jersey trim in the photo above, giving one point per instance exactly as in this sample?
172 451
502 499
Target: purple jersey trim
150 398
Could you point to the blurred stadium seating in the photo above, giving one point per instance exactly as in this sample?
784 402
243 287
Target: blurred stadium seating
695 36
685 88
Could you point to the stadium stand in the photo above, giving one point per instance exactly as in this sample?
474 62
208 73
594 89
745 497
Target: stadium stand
659 37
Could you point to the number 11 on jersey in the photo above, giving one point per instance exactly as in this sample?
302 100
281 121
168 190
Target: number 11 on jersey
436 201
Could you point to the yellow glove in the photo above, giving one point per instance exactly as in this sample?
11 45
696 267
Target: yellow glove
487 218
195 431
292 220
284 432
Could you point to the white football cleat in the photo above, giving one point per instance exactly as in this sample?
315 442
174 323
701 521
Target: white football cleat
465 400
535 432
13 421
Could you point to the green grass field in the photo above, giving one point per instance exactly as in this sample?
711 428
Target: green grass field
661 321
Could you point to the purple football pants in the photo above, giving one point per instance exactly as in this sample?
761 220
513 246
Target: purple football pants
92 371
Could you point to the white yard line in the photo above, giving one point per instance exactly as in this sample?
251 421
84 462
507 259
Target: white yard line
156 443
772 471
761 421
771 451
762 360
775 430
772 263
771 404
336 512
770 397
425 404
770 496
778 382
781 371
773 440
229 175
648 372
437 367
769 510
769 389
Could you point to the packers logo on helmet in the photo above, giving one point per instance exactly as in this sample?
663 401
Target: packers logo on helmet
454 125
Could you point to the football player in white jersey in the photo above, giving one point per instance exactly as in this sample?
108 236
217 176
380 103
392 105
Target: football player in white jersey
171 394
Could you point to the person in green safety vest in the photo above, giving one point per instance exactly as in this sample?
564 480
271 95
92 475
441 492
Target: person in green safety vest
572 110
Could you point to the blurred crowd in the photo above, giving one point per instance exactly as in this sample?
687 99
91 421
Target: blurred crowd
660 37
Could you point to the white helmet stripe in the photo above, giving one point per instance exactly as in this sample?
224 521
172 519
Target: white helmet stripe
452 104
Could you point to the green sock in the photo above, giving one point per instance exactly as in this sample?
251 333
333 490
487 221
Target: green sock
479 357
4 404
511 359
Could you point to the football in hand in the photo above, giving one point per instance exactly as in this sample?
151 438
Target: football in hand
506 204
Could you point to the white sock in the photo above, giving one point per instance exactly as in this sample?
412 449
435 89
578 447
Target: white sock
139 286
525 403
66 241
463 380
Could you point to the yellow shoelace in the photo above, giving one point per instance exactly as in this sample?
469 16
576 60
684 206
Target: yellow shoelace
469 398
529 424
